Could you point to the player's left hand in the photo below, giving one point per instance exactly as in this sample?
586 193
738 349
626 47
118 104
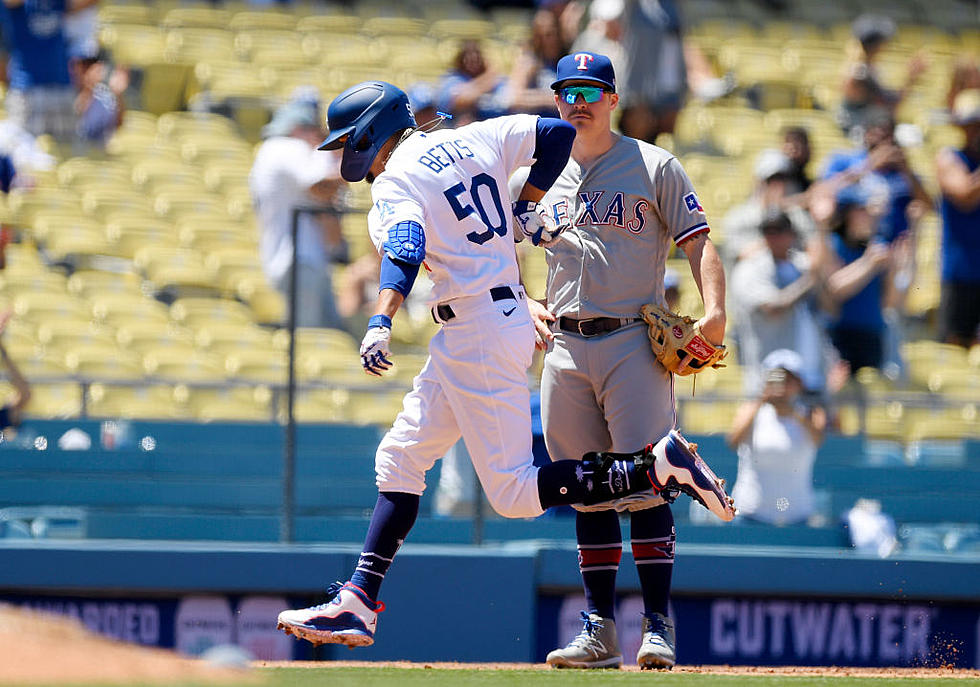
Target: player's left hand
541 317
375 350
533 222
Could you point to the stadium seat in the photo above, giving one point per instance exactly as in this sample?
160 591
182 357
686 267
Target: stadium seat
144 336
242 403
51 400
267 305
119 308
198 312
63 334
176 271
36 278
132 402
45 306
80 172
173 364
257 366
223 338
88 283
103 362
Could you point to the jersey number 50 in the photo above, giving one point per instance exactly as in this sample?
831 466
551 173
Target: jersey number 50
499 228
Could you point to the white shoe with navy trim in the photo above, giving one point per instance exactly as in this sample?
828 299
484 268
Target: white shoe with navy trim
348 618
677 465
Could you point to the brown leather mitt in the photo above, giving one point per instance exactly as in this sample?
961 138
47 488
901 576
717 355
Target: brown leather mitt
674 338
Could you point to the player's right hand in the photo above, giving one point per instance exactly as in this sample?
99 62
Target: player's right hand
375 350
533 222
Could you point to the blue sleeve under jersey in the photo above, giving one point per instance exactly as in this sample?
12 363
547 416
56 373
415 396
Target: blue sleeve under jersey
553 145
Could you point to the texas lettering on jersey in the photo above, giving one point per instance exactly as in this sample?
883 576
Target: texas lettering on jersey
614 211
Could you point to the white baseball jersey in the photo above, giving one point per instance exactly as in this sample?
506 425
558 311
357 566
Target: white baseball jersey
474 384
454 183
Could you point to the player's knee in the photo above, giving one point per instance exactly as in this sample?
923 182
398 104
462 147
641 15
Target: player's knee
516 496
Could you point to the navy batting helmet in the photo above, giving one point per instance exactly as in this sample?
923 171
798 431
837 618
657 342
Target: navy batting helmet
361 119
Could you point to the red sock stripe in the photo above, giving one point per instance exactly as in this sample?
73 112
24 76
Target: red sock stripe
648 551
588 558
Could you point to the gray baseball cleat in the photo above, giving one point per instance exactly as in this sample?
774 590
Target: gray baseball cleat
677 465
594 647
657 649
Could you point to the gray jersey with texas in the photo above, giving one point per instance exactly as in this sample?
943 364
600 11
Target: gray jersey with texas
626 209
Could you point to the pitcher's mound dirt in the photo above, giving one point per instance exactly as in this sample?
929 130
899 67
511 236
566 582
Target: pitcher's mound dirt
42 648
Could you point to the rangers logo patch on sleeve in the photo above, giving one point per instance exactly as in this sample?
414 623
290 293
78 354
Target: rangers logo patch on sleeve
692 203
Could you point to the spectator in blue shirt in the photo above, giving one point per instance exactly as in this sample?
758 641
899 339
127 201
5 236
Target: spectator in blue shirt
883 162
41 97
857 278
958 174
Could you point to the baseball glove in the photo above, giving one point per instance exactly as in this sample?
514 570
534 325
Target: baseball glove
675 337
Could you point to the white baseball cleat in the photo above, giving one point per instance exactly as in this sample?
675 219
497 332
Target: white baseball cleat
677 465
348 618
595 646
657 649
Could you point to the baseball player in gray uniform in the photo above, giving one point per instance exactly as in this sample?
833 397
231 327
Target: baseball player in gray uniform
629 203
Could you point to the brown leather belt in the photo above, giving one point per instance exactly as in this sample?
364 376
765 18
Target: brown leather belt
594 326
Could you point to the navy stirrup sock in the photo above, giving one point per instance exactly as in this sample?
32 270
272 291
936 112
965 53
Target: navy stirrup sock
652 540
393 517
600 547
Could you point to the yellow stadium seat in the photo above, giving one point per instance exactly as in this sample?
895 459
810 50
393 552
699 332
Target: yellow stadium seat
103 361
51 400
127 14
173 269
34 362
40 306
36 279
143 336
196 17
176 126
228 265
317 405
139 402
268 306
225 338
24 204
134 43
374 408
88 283
176 204
100 203
266 20
83 171
242 403
257 366
334 23
118 308
174 364
67 334
127 233
318 338
197 312
706 417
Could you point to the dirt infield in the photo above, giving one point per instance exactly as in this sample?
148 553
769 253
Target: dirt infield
40 648
816 671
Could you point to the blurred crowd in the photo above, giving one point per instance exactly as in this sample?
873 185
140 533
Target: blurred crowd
820 257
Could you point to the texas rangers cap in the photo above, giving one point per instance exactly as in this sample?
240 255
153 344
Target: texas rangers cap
585 66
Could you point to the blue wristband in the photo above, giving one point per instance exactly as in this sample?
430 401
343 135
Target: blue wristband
379 321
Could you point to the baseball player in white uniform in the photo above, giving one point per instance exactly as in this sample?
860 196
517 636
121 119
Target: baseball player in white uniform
441 200
629 203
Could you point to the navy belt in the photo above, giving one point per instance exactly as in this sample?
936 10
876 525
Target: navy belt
444 312
594 326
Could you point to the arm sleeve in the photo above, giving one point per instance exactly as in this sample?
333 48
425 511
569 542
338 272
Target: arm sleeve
553 145
680 208
397 274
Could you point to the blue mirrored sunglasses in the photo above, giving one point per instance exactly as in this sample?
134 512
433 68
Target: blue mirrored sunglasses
592 94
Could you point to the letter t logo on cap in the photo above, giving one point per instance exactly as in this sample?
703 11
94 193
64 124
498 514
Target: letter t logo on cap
583 59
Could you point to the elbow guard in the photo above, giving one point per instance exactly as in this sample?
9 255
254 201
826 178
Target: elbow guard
397 275
406 243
